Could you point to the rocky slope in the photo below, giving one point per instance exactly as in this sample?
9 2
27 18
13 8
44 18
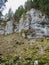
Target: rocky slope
33 20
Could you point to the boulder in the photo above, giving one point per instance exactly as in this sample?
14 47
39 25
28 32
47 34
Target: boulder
9 27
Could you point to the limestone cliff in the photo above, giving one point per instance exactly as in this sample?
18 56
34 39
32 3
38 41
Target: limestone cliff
31 20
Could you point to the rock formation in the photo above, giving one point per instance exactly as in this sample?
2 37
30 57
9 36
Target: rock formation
32 20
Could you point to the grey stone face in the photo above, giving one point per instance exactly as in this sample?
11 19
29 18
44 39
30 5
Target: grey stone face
37 21
9 27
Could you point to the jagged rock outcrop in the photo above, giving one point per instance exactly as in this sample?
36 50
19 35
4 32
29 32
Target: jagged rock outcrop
37 21
34 21
9 27
6 27
1 30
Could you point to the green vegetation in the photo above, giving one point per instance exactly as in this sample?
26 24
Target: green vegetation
16 50
2 4
42 5
18 13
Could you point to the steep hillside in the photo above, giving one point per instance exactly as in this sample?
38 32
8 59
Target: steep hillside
16 50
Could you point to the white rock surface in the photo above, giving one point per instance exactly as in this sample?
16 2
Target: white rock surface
1 32
36 19
33 19
9 27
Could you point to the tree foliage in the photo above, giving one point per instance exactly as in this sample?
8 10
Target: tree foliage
18 13
2 2
10 14
42 5
28 4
